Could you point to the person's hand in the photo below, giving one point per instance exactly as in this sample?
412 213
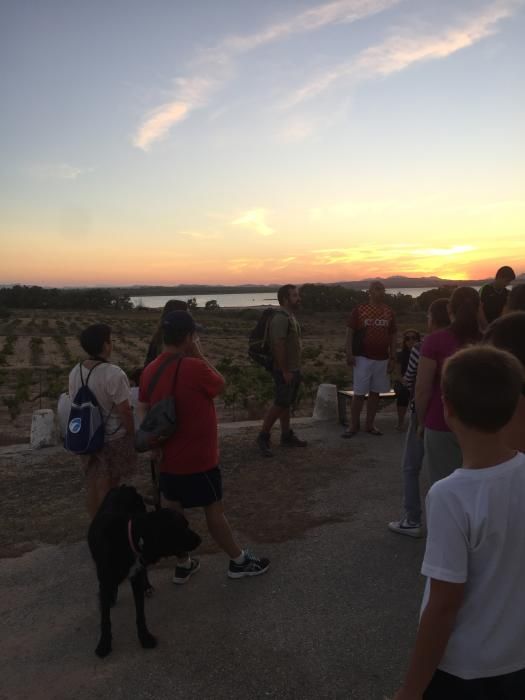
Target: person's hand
350 359
196 349
287 376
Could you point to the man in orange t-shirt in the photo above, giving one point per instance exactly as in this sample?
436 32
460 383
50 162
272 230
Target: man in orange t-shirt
371 351
190 475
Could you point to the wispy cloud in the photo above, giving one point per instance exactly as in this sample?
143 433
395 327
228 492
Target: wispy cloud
255 219
57 171
405 48
451 250
215 64
201 235
297 130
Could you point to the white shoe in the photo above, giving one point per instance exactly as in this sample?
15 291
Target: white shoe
406 527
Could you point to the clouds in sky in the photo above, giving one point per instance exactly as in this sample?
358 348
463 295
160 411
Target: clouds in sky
215 65
404 48
57 171
359 261
255 220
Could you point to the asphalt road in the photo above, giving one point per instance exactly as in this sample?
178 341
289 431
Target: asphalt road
333 618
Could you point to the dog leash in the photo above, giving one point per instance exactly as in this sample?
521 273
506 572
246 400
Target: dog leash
130 539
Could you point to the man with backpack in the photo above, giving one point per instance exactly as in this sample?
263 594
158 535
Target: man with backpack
284 340
100 427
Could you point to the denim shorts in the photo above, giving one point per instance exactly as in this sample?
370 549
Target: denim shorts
286 394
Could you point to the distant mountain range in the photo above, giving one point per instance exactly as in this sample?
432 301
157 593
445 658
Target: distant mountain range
397 281
393 282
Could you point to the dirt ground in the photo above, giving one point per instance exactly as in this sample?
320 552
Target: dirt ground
333 619
48 484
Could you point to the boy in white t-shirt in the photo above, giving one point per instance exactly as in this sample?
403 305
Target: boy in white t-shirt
471 639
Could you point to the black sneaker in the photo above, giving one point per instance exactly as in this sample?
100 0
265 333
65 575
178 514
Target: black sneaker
183 574
251 566
263 443
290 439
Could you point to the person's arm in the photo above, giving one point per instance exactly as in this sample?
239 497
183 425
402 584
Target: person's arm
351 327
278 330
392 352
484 295
482 319
279 356
141 408
198 353
125 414
350 359
426 372
435 628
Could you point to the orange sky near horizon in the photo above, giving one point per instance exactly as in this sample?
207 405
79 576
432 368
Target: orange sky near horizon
112 265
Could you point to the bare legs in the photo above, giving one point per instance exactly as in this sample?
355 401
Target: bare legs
97 487
218 526
371 410
401 414
277 413
355 411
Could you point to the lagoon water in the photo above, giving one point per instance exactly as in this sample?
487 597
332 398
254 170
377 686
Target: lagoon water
243 300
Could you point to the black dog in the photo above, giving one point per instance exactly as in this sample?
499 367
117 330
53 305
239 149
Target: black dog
124 539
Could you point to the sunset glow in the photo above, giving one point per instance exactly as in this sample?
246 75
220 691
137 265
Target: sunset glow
282 141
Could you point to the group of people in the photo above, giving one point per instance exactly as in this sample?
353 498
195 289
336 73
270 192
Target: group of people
463 387
188 463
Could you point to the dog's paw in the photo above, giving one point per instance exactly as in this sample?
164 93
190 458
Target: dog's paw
103 648
147 640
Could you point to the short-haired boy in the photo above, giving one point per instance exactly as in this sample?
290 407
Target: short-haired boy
471 638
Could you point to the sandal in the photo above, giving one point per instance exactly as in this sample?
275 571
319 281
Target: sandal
374 431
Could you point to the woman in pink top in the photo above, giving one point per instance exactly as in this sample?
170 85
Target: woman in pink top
442 453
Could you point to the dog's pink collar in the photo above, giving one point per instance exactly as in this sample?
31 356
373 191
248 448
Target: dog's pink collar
131 543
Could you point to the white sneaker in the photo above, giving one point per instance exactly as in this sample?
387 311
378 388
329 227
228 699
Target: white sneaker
406 527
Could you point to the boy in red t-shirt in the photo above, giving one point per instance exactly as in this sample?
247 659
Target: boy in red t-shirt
190 476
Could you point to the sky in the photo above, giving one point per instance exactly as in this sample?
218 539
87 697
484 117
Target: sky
235 141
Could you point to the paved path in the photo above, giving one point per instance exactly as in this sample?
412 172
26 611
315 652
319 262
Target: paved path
333 618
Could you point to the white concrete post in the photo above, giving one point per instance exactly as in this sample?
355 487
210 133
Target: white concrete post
326 403
43 429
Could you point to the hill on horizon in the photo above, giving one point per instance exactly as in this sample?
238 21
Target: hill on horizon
391 282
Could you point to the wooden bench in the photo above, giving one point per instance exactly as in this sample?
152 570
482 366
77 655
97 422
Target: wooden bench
345 395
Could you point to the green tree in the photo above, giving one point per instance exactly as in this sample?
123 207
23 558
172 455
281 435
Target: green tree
424 300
